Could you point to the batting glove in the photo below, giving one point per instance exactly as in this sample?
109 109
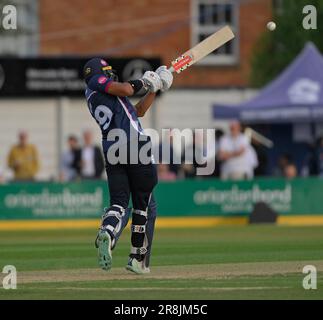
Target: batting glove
165 76
152 81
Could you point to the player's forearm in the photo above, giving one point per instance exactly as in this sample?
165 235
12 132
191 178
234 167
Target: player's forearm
145 103
120 89
126 89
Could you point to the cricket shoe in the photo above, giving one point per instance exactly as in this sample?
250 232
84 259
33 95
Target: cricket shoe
103 243
136 266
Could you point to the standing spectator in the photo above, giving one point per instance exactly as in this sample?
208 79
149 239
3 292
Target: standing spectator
70 160
23 159
234 153
92 163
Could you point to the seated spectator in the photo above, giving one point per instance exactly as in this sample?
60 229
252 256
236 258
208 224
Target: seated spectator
310 163
319 157
290 171
92 163
194 156
234 152
283 161
164 173
23 159
213 151
2 179
167 143
70 160
186 170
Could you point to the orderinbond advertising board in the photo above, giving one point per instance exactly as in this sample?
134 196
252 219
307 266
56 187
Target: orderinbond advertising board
181 198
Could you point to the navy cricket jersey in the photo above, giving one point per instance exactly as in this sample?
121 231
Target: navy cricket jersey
111 112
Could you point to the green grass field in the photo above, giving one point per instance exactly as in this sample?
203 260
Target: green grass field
250 262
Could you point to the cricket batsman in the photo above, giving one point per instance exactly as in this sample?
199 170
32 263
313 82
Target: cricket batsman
130 176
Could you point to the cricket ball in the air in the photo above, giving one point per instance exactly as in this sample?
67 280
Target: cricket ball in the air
271 26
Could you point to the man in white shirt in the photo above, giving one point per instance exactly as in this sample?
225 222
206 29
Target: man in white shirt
234 152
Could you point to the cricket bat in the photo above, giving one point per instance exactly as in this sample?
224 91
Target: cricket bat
205 47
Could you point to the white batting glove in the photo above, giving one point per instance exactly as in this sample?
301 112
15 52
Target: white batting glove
152 81
166 77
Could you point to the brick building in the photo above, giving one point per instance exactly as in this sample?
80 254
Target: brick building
133 28
163 28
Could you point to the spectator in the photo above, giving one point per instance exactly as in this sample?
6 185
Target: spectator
70 160
2 179
290 171
92 163
234 153
192 156
167 144
218 135
164 173
310 165
23 159
187 170
283 160
212 152
319 157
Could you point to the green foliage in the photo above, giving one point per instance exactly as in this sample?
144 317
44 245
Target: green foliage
275 50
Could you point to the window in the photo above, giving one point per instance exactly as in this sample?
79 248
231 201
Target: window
208 16
24 40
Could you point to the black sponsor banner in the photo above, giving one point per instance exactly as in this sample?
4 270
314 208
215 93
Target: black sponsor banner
49 77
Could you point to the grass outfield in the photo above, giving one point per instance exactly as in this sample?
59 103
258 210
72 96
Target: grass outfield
250 262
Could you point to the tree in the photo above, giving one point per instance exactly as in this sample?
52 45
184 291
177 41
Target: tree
276 49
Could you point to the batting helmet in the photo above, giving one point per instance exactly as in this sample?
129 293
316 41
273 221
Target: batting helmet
98 66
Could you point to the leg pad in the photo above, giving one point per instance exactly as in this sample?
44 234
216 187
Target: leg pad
138 237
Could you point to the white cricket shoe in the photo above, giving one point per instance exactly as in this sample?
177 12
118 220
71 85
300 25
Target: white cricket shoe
137 267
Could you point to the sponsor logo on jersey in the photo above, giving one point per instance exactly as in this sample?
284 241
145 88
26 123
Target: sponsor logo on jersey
102 79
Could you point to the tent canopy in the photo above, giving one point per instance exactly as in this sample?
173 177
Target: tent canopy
296 95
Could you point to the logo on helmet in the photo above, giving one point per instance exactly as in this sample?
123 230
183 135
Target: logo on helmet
104 63
87 71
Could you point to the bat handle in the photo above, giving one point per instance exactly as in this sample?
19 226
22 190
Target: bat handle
171 69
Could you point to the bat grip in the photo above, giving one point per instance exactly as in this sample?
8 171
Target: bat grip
171 69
